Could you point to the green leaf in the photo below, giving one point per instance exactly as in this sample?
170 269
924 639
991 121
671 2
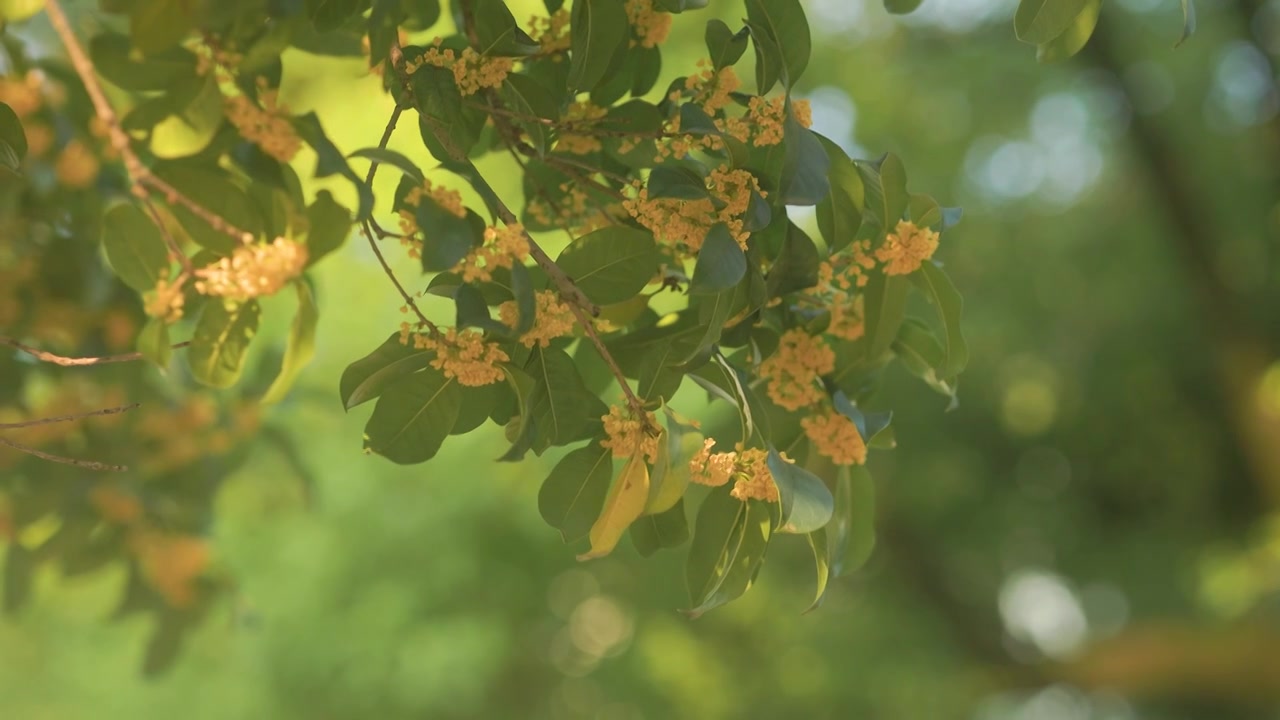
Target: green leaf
213 189
329 226
667 529
804 165
768 58
158 25
497 32
385 17
822 562
573 494
922 354
134 247
221 339
1039 21
477 405
1073 39
806 502
301 346
839 214
721 263
901 7
796 267
923 210
724 45
329 15
383 156
730 538
366 378
527 97
679 6
947 301
648 69
329 160
1188 20
446 238
679 183
526 302
597 30
442 115
113 58
472 311
13 11
784 22
154 344
885 309
413 417
852 534
559 403
893 182
612 264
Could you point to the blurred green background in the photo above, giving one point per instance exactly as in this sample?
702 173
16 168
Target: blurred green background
1091 534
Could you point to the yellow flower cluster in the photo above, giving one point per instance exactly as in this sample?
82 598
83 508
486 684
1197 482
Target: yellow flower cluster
833 434
551 33
166 300
803 112
503 246
847 317
574 211
579 117
448 199
650 26
77 167
685 223
625 435
906 248
171 563
471 70
463 355
801 359
710 88
22 95
266 126
253 270
749 468
554 319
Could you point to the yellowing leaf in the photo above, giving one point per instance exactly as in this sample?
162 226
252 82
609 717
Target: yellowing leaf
626 501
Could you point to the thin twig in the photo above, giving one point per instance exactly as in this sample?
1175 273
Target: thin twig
68 418
174 248
49 357
86 464
141 176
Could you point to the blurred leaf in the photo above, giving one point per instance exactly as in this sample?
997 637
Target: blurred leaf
622 507
1188 20
612 264
724 46
526 301
497 32
134 247
769 59
18 10
721 263
329 226
670 477
154 344
839 214
365 379
383 156
113 59
598 29
784 22
949 304
221 339
818 543
213 189
330 161
1074 38
667 529
1039 21
679 183
164 644
730 538
806 502
328 15
901 7
413 416
301 346
158 25
19 568
573 495
923 210
527 97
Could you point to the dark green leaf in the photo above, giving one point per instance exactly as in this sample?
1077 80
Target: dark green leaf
559 404
476 407
474 312
497 32
443 118
1073 39
806 502
573 494
526 302
301 346
328 15
724 45
611 264
797 265
383 156
852 534
111 54
721 263
923 210
818 544
19 571
676 182
667 529
413 417
366 378
1039 21
134 247
598 29
901 7
730 539
329 160
1188 19
804 165
221 338
446 238
885 308
769 60
329 225
648 69
695 121
784 22
527 97
947 300
213 189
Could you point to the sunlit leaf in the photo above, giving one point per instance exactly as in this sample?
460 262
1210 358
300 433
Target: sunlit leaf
622 507
221 339
300 347
611 264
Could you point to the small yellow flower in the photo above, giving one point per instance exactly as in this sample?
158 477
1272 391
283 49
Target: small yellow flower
554 319
651 27
792 371
834 435
711 469
266 126
625 434
503 246
253 270
754 482
465 356
906 248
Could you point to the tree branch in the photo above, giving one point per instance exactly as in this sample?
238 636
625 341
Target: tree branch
76 362
67 418
86 464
